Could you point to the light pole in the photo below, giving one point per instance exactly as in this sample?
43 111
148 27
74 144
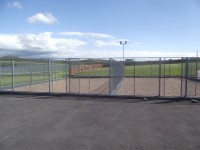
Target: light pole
123 43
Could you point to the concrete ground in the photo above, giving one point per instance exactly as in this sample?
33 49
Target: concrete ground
75 123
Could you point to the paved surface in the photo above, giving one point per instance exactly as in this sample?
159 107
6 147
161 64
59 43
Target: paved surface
71 123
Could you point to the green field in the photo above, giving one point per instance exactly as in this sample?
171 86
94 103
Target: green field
6 80
153 70
141 70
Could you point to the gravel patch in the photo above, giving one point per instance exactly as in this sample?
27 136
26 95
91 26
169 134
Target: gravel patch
130 86
75 85
150 87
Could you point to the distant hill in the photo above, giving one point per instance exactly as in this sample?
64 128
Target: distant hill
10 58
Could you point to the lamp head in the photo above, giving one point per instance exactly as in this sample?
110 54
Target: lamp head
123 42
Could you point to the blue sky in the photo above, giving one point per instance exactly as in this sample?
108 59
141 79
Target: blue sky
93 28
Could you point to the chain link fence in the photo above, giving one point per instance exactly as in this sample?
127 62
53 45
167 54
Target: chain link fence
137 76
116 75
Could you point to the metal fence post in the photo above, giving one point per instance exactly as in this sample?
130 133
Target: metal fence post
169 68
159 76
110 76
186 76
13 75
89 73
30 70
164 76
115 74
196 78
0 75
52 66
124 69
44 75
66 74
69 75
134 75
79 74
181 77
49 71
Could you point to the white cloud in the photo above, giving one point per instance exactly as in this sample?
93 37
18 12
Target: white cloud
101 43
47 18
158 53
16 4
8 41
87 34
130 54
95 39
138 43
116 42
46 45
37 44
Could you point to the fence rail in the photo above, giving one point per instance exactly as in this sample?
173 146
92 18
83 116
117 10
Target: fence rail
137 76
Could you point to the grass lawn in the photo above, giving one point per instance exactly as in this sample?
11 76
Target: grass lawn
6 80
140 70
153 70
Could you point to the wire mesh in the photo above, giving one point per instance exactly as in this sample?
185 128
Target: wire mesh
116 74
141 76
193 86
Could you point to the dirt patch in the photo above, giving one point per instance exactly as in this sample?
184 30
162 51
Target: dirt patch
130 86
74 85
150 87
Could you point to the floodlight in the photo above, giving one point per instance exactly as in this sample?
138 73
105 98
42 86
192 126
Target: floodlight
123 43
